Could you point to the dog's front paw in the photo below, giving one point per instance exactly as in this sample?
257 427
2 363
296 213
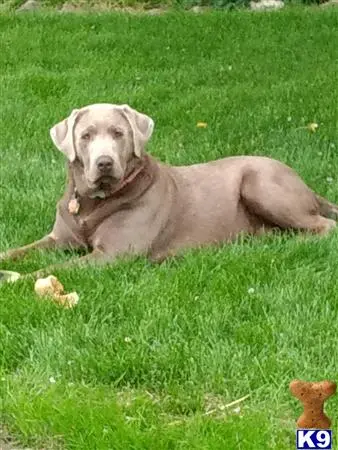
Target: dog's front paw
33 276
4 256
12 255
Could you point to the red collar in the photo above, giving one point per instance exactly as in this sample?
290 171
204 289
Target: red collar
127 180
74 203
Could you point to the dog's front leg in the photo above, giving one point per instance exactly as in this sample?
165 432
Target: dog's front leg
47 242
96 257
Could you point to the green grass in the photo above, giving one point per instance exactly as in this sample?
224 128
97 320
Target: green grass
151 350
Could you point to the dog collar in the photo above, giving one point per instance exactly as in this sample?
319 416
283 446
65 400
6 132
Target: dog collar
74 203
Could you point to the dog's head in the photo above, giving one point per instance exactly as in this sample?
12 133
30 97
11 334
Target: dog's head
105 138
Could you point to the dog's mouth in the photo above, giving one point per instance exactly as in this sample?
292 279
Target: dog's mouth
105 182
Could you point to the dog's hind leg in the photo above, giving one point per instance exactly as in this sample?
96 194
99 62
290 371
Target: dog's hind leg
285 201
327 209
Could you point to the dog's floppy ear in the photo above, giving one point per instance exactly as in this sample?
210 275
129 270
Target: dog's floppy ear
62 135
142 127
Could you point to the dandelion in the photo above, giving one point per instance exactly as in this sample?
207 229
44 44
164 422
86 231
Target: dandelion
251 291
127 339
313 126
52 380
329 179
201 124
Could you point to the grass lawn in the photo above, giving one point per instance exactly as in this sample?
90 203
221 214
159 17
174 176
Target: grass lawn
152 355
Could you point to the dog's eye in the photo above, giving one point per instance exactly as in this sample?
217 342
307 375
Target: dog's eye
117 133
85 136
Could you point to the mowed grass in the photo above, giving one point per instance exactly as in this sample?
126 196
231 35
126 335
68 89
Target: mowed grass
152 355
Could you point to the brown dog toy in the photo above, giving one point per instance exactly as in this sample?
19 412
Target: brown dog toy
51 287
313 396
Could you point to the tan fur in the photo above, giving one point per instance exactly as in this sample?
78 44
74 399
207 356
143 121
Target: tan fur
165 209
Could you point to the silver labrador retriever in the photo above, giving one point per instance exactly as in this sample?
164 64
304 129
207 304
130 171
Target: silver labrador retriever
119 200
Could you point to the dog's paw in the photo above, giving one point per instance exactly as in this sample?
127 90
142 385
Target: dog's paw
4 256
10 255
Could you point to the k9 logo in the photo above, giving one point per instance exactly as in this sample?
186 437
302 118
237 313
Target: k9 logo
314 439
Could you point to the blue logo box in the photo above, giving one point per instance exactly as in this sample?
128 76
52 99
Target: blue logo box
314 439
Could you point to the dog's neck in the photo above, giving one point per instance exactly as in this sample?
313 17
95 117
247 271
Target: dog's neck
136 171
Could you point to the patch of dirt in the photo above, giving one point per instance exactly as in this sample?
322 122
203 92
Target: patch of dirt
139 7
6 443
83 6
79 7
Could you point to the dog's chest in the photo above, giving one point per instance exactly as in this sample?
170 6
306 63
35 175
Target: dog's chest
84 215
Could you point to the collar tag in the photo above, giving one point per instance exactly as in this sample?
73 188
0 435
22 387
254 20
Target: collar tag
74 206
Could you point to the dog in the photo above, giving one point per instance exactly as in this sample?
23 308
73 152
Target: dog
119 200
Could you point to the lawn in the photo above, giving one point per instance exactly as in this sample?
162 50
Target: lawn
154 354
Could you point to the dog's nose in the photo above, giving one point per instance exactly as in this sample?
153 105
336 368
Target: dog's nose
104 164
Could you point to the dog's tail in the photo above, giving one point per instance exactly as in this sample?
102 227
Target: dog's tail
326 208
